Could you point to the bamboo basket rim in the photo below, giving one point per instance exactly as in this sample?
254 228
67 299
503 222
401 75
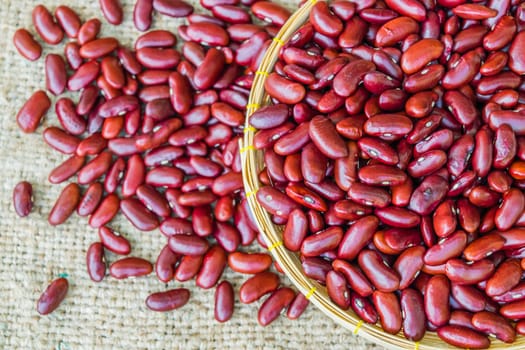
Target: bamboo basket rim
252 160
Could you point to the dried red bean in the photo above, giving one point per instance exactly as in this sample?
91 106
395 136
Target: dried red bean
23 198
52 296
26 45
169 300
95 262
224 301
31 113
112 11
65 204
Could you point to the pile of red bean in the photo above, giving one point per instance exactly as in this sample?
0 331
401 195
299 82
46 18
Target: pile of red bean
155 135
395 158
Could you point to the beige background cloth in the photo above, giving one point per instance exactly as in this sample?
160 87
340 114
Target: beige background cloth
110 314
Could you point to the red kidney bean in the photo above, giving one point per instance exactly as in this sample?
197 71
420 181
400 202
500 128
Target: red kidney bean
449 247
45 25
469 297
188 267
516 170
56 75
95 262
516 63
388 126
276 85
321 242
270 12
212 267
106 211
427 163
173 8
369 195
88 31
113 72
324 21
412 309
483 247
322 129
494 63
249 263
420 54
354 276
437 293
68 117
428 195
297 307
91 199
381 175
506 277
257 286
130 267
444 219
138 214
112 11
269 117
346 81
231 14
510 209
408 265
363 308
474 11
53 296
397 217
98 48
274 305
31 113
142 14
505 146
26 45
68 20
382 277
67 169
463 337
224 301
23 198
356 237
389 310
113 241
83 76
395 30
337 289
493 324
460 272
65 204
165 264
208 34
188 245
169 300
468 215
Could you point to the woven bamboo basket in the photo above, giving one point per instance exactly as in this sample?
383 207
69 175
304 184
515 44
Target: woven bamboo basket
253 162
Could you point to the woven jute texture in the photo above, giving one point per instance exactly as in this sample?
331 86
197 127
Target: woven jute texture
110 314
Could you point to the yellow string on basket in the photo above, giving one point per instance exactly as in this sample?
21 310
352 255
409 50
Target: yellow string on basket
416 345
250 128
358 326
260 72
275 245
310 293
250 193
253 105
279 41
247 148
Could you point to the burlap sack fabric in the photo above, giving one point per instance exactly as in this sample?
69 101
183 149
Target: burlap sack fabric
110 314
